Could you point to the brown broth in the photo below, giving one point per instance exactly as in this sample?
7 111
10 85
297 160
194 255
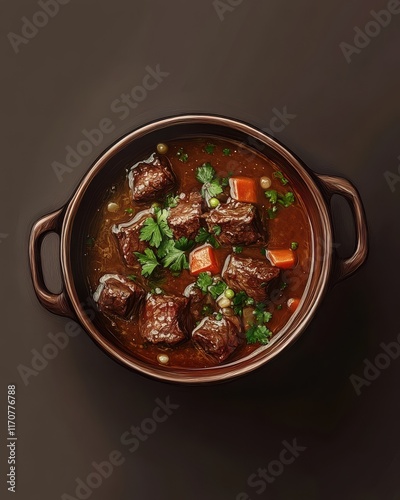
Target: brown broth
291 224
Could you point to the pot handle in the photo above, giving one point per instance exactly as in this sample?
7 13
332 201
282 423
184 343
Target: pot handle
55 303
342 187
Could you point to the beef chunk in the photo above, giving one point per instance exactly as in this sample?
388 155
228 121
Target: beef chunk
198 301
151 179
239 223
218 338
128 235
118 295
165 319
250 275
184 219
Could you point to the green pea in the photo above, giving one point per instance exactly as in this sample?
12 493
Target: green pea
229 293
214 202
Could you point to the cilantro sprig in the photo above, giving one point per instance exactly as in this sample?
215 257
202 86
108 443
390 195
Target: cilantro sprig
208 285
281 177
211 184
258 331
148 261
155 230
203 236
276 199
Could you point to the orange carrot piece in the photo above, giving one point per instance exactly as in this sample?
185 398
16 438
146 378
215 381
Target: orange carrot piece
293 304
203 259
284 259
243 189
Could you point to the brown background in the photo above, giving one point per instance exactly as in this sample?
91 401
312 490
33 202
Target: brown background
264 55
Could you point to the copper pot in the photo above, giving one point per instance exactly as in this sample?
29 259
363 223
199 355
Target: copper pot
70 222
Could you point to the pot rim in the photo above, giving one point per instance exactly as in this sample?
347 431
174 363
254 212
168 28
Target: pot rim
261 355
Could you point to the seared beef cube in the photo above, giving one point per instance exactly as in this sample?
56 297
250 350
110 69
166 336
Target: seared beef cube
239 222
218 338
250 275
128 235
117 295
151 179
165 319
198 301
184 219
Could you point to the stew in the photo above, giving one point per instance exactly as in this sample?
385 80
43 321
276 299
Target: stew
199 254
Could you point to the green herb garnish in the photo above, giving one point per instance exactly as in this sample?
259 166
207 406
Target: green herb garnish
218 316
155 230
203 236
209 148
217 289
226 151
183 157
286 199
132 277
204 280
238 249
211 185
294 245
171 201
129 211
279 175
261 315
241 300
216 230
258 334
207 310
148 261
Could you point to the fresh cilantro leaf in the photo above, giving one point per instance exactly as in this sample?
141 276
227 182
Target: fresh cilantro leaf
175 260
184 244
204 280
283 285
279 175
217 289
258 333
165 247
241 300
238 249
212 189
272 212
294 245
150 232
211 185
171 201
205 173
279 307
129 211
209 148
272 195
217 230
203 236
183 157
218 316
226 151
154 231
286 199
148 261
261 315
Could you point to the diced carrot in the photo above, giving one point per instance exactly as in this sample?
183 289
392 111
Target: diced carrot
293 304
243 189
284 259
203 259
